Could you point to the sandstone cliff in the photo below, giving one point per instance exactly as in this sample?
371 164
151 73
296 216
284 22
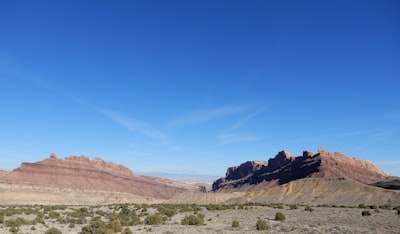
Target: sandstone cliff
81 173
285 167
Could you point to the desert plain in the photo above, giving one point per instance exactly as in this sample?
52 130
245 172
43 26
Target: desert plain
167 218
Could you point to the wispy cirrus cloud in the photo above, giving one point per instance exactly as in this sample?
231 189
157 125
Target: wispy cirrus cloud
231 134
359 132
393 162
226 138
135 125
200 116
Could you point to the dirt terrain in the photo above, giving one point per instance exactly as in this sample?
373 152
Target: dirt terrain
216 219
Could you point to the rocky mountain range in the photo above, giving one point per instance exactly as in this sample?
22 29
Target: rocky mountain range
285 167
312 178
81 173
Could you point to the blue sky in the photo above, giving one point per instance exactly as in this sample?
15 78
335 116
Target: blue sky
198 86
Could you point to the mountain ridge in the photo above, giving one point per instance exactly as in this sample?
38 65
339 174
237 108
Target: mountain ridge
81 173
284 168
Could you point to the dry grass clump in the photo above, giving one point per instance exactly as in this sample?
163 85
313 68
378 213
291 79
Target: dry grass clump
235 224
365 213
53 230
193 220
153 219
309 208
262 225
279 216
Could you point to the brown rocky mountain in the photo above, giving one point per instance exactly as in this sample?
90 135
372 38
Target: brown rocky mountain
81 173
284 168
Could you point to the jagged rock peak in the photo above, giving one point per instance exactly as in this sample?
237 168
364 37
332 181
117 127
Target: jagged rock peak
308 154
53 156
244 169
281 159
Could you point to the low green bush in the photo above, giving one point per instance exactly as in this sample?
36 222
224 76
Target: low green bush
365 213
280 216
127 230
235 224
193 220
386 207
262 225
153 219
53 230
308 208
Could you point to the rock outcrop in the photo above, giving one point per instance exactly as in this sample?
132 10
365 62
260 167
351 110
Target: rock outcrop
285 167
81 173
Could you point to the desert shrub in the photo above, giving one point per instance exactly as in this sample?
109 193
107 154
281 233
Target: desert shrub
193 220
362 206
280 216
71 225
262 225
1 218
365 213
235 224
308 208
17 222
13 229
53 230
293 207
127 230
33 228
278 206
81 213
153 219
96 225
220 207
115 225
373 207
386 207
188 207
168 212
54 215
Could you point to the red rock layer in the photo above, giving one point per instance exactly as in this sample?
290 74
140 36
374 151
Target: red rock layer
81 173
285 167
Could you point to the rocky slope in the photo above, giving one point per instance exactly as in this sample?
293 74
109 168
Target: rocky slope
320 191
391 184
284 167
81 173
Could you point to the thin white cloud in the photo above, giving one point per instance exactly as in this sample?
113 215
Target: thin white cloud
242 121
197 117
226 138
358 133
135 125
388 162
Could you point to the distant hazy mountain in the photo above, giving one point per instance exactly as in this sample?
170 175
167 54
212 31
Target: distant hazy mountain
189 178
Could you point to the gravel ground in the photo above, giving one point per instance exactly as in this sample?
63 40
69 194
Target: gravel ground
321 220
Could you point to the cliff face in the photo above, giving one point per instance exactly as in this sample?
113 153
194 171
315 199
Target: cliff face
81 173
285 167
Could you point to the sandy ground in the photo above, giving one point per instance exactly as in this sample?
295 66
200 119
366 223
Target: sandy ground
321 220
